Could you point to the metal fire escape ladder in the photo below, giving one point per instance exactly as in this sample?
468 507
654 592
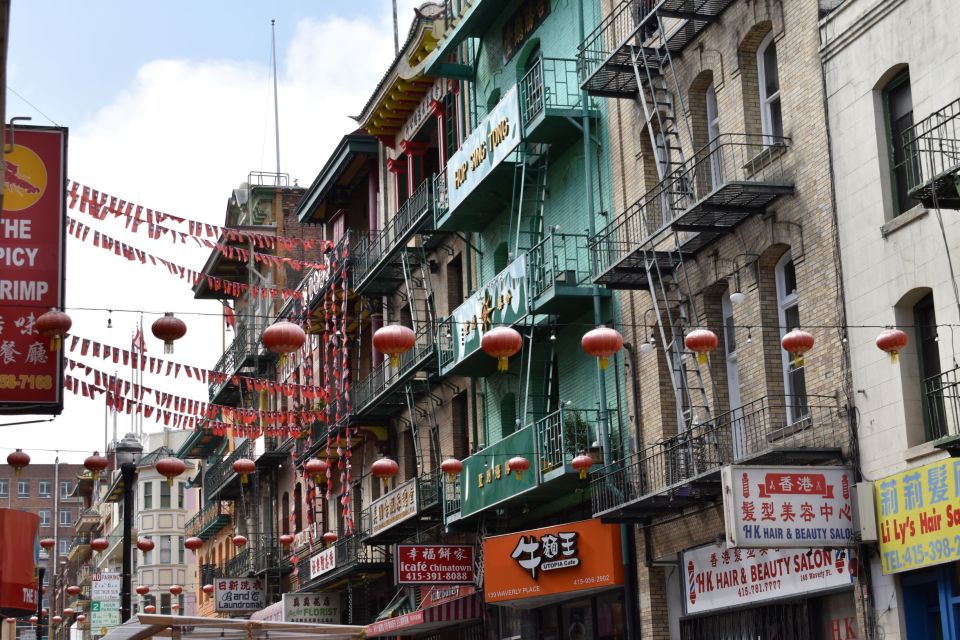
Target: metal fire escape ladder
530 192
414 430
419 292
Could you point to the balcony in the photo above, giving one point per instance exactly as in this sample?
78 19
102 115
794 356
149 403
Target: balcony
408 508
685 469
376 258
382 392
238 566
239 355
559 275
605 57
941 405
89 521
209 520
932 158
220 480
730 179
346 557
550 103
268 555
550 443
79 548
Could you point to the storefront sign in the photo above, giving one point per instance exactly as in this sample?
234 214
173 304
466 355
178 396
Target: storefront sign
323 562
522 24
394 507
31 268
486 481
495 137
918 516
569 558
424 110
781 507
238 594
433 564
501 301
717 577
313 608
18 581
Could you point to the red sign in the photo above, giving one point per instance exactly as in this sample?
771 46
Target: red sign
31 268
18 583
434 564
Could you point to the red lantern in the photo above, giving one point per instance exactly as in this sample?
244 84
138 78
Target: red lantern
48 543
176 589
892 341
239 541
168 328
286 540
244 466
143 590
582 463
68 612
149 609
53 324
518 465
18 460
56 619
385 468
99 544
602 343
701 342
394 340
316 469
95 464
81 618
145 544
208 589
329 537
501 343
283 337
797 343
193 543
452 467
170 468
73 590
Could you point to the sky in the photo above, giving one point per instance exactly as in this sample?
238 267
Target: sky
170 105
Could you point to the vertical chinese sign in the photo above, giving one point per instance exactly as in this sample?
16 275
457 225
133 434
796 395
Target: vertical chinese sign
32 263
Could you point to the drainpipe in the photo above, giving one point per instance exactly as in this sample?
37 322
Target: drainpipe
626 536
373 192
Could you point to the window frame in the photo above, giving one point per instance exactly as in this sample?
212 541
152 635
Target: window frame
40 489
40 514
23 482
166 546
786 301
4 488
165 492
766 113
69 518
66 488
898 81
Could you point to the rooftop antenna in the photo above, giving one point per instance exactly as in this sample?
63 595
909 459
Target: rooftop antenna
396 31
276 108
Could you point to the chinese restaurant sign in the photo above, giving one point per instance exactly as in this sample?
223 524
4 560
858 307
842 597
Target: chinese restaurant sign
495 137
433 564
323 562
715 577
237 594
918 519
486 480
394 507
31 269
501 301
313 608
523 22
788 507
568 558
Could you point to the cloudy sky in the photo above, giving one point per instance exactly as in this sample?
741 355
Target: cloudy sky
169 105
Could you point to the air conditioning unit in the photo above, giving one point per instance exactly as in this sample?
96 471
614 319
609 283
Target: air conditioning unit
865 515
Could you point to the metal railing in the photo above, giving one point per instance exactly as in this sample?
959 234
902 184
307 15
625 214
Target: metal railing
560 258
941 400
384 376
206 518
441 197
428 489
216 477
267 553
349 552
451 496
932 148
564 434
238 565
784 422
613 31
551 83
209 573
728 158
232 359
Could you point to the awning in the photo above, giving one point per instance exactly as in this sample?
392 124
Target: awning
143 627
462 608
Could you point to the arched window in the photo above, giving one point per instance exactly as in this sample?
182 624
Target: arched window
788 313
935 418
898 118
768 77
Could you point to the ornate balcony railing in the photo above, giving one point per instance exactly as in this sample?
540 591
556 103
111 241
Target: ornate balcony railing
551 83
560 258
383 377
932 157
221 474
209 520
239 565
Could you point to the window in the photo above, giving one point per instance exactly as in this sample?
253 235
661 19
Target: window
165 549
179 550
935 419
44 488
788 308
165 604
508 414
713 135
898 111
164 495
66 488
730 352
64 546
4 488
148 555
23 488
66 518
180 495
771 119
148 495
44 517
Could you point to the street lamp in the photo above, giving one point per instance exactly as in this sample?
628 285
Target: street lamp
128 452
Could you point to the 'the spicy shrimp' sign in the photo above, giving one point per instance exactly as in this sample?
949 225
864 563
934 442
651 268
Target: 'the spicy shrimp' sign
31 267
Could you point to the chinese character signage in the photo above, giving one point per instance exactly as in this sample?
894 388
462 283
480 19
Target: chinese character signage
313 608
394 507
521 24
495 137
322 562
486 481
238 594
918 520
717 577
433 564
781 507
31 269
553 560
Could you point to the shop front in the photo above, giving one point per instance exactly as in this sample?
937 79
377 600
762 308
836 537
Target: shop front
563 582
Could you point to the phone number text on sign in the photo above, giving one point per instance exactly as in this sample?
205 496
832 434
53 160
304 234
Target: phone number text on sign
434 564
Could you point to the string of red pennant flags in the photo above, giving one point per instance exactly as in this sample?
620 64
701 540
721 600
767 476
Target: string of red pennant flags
81 231
85 347
99 204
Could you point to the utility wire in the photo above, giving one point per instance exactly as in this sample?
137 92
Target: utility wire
31 105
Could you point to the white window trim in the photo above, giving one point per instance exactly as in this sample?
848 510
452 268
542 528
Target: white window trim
765 100
40 485
40 515
785 300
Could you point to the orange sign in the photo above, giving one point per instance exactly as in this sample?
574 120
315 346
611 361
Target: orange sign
567 558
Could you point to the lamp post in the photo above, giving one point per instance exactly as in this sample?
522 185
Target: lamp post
128 452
